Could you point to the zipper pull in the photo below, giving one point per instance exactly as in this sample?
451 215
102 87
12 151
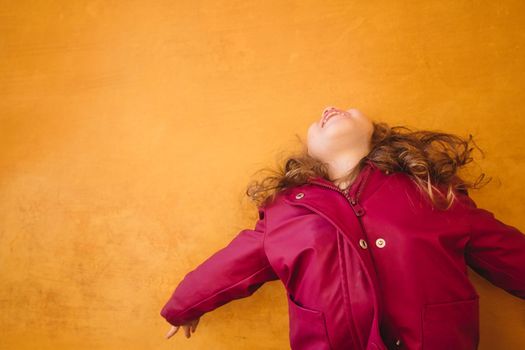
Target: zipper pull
358 209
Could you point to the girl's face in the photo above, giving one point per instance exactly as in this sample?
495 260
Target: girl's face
340 133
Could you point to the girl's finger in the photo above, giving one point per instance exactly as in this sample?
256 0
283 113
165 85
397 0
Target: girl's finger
194 325
172 331
187 331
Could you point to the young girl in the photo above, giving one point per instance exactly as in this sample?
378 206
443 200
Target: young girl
371 230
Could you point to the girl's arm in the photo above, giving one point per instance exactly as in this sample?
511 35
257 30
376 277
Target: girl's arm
236 271
496 250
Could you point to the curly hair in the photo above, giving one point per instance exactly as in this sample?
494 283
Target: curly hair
430 158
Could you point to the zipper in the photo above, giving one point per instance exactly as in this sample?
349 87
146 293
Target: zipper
354 201
359 211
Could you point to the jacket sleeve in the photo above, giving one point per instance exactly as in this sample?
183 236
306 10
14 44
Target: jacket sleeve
496 250
235 271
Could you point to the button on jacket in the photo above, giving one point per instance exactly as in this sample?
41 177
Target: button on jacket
376 267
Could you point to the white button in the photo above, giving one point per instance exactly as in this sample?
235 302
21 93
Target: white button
362 243
398 342
299 195
380 242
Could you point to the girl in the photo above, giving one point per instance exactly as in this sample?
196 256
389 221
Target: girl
371 230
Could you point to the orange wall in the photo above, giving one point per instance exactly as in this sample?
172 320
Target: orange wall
129 130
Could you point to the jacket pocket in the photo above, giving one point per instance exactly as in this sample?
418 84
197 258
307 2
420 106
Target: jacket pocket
451 325
308 329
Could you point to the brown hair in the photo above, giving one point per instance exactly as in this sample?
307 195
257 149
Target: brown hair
430 158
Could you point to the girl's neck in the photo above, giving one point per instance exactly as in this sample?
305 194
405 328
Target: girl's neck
343 176
344 184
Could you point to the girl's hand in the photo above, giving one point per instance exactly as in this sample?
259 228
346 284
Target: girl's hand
191 325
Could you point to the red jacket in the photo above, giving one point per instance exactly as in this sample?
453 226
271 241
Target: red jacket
376 267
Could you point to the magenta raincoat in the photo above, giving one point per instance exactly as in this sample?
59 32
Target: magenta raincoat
375 267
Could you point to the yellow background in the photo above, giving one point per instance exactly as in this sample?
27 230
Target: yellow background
129 130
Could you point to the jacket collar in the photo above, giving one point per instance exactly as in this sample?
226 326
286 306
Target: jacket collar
329 200
358 190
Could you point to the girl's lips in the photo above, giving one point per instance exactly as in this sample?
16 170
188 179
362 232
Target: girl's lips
327 110
329 115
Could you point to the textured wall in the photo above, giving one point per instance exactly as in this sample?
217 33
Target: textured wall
129 129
